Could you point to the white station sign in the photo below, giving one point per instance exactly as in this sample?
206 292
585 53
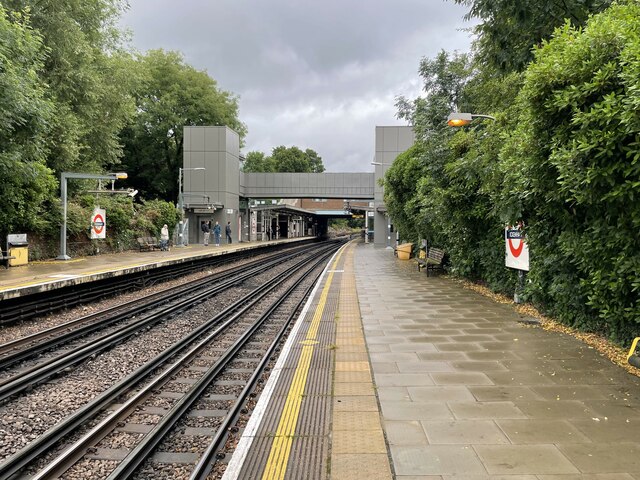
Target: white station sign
517 251
99 223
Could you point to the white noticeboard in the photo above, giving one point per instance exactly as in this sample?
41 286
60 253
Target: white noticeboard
98 223
517 251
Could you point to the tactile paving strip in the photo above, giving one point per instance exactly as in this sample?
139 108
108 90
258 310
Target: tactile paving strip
305 454
359 449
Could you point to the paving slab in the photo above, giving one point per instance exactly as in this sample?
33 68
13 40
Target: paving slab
436 460
524 459
464 432
541 431
487 397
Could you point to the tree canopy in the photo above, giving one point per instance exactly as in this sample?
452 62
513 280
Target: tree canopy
561 157
509 29
74 99
170 95
284 159
25 113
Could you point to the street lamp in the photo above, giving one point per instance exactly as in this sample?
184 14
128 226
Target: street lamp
181 203
459 119
64 176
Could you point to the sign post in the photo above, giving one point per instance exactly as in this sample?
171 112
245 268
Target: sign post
516 256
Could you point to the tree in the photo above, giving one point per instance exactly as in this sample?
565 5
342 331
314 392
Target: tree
87 79
284 159
444 79
439 189
256 162
27 184
170 96
509 29
573 171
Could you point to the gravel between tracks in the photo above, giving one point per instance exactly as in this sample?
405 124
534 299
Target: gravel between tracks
25 417
23 329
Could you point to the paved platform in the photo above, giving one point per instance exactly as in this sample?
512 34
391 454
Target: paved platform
51 274
434 381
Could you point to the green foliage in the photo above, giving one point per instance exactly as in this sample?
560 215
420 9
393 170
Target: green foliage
27 185
574 165
344 226
153 214
71 99
87 82
401 189
256 162
169 96
284 159
509 29
126 221
562 156
445 78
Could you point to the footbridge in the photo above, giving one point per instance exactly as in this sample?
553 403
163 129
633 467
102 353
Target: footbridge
215 189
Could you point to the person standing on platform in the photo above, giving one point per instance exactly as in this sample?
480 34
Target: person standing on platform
216 234
207 232
164 238
227 230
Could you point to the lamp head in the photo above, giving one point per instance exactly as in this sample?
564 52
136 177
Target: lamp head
458 119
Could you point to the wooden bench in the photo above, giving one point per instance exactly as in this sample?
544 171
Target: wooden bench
148 244
431 259
4 259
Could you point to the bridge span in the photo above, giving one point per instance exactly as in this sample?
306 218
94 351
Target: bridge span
215 189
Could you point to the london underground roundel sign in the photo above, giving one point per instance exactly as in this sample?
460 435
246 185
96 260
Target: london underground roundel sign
517 252
98 223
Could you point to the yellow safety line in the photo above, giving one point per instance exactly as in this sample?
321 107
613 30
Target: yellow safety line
278 459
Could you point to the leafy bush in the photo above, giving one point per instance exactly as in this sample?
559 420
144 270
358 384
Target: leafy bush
563 156
574 165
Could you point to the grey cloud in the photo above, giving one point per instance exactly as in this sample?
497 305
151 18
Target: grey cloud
320 75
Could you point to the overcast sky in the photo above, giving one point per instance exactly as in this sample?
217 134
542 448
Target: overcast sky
315 74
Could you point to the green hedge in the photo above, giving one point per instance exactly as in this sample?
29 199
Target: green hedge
563 156
575 161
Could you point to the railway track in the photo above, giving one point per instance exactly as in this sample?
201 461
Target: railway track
144 422
22 308
32 346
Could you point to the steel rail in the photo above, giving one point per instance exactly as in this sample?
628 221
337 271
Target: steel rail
29 306
41 372
54 336
205 464
152 439
61 463
28 453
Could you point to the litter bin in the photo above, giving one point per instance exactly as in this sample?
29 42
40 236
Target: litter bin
18 247
404 251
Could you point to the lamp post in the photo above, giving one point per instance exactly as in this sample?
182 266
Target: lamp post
64 176
181 204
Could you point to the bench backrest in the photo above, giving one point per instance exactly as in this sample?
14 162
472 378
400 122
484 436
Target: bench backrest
436 254
146 240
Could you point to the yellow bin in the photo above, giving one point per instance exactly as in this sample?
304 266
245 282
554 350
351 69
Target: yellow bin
404 251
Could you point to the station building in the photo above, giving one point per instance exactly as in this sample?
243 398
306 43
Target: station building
263 206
